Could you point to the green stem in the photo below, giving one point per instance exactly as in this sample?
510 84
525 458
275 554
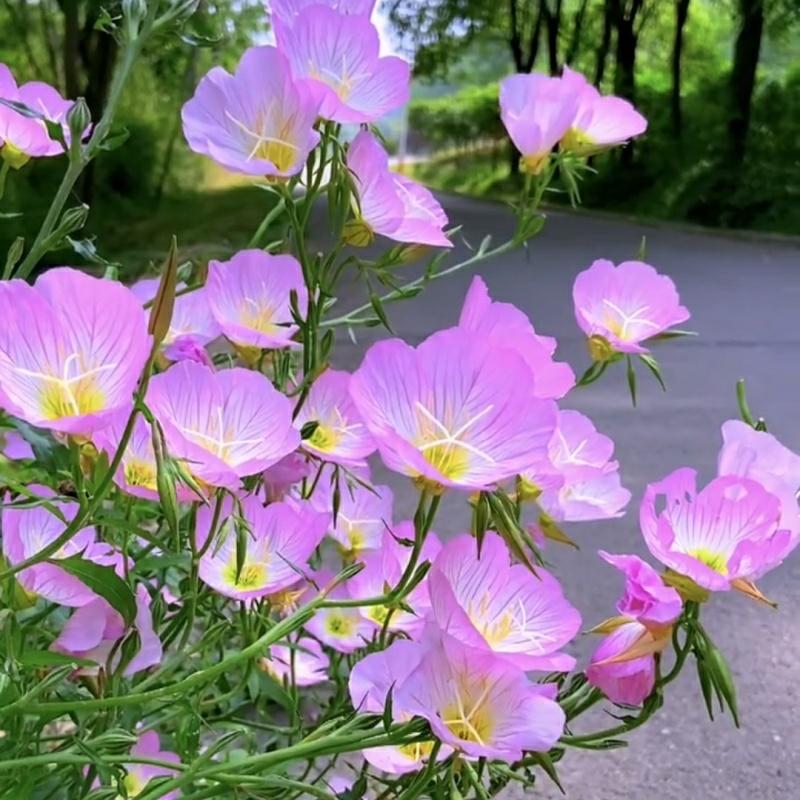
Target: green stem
4 170
269 218
188 685
353 318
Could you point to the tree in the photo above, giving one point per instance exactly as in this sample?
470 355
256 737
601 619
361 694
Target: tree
743 76
681 16
605 43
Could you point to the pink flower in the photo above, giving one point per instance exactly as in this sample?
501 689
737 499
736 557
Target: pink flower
225 425
281 477
537 111
309 665
371 681
478 703
289 9
258 121
582 481
14 447
722 537
628 681
339 56
758 455
383 568
364 514
600 122
192 327
340 435
93 631
390 205
72 348
647 599
626 304
23 137
455 411
139 775
489 603
27 531
342 628
250 298
623 667
504 325
278 541
137 471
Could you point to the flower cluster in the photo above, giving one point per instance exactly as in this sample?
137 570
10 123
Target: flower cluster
197 522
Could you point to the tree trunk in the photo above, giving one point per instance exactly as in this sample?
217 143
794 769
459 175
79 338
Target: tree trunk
552 19
577 31
71 51
625 72
743 76
681 15
605 44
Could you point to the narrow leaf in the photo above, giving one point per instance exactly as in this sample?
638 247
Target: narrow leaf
161 312
103 581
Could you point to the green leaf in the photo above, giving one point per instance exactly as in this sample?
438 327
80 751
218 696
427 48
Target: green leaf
115 139
103 581
377 307
631 379
655 368
596 369
546 763
49 658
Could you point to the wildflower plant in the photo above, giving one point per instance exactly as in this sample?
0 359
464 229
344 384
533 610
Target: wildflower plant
205 591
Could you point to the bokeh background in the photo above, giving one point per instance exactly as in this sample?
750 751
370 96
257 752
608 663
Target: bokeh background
719 81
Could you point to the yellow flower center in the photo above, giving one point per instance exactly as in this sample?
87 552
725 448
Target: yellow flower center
140 473
357 233
340 625
13 156
716 561
416 751
253 575
576 141
451 459
535 163
600 348
469 718
134 785
64 399
325 438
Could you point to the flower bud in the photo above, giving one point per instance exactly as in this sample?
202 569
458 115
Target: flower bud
164 302
79 118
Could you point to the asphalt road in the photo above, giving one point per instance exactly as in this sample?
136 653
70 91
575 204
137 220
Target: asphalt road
744 295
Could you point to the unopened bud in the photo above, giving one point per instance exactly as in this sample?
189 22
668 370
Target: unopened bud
79 118
164 302
165 480
73 219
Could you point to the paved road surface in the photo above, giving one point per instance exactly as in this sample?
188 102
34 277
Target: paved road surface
744 297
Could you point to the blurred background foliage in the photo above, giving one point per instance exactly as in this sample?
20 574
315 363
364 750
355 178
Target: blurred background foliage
719 81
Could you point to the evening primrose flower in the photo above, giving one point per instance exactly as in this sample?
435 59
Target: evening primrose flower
27 531
537 111
489 603
364 514
581 482
337 55
505 325
138 776
93 631
620 307
722 537
250 298
760 456
600 122
23 137
278 540
456 411
224 425
14 447
371 681
343 629
480 704
304 661
258 121
623 667
289 9
72 348
340 435
383 569
390 205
